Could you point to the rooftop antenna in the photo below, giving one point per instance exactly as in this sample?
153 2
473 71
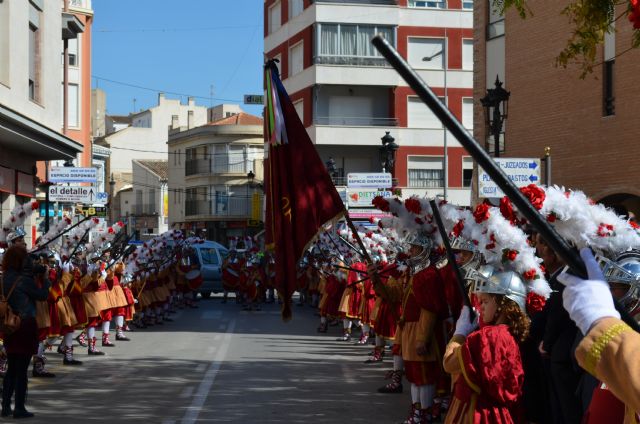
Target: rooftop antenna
211 95
134 105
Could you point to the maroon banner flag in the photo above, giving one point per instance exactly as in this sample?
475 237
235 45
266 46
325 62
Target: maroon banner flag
299 192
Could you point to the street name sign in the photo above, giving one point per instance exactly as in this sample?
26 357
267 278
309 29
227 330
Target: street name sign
73 194
63 174
521 171
253 99
369 180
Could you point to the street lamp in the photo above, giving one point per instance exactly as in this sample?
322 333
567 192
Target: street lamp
112 184
445 65
495 104
388 153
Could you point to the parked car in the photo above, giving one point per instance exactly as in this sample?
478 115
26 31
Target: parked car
210 255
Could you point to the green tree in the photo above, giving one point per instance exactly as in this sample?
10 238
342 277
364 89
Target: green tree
590 20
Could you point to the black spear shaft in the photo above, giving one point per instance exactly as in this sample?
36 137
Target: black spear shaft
451 256
60 235
548 233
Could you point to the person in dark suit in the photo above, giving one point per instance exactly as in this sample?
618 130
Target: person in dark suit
18 273
558 348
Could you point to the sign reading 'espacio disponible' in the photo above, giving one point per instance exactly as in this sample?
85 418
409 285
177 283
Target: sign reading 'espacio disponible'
63 174
521 171
369 180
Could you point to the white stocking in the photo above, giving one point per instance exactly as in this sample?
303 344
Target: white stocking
119 321
426 395
346 323
398 363
415 393
105 327
365 329
40 353
91 332
323 320
68 339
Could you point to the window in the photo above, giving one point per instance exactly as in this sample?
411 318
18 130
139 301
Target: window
151 208
4 42
419 115
34 54
426 53
467 113
425 172
467 54
467 171
338 44
433 4
274 17
73 109
467 4
496 20
608 98
73 50
299 106
296 58
209 256
295 8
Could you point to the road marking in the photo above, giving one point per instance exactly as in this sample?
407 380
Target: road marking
348 374
192 413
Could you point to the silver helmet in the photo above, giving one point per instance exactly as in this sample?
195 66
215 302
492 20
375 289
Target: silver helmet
481 273
15 235
421 260
507 283
625 269
459 243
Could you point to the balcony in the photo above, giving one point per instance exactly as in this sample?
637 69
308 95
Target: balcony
355 121
80 4
219 165
221 206
381 2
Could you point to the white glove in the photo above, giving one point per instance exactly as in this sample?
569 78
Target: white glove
587 300
66 267
464 325
103 274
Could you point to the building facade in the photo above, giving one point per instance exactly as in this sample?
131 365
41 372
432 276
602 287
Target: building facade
589 124
150 208
215 177
30 98
348 96
146 137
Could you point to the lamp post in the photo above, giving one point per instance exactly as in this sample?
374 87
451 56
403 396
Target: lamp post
445 66
388 153
495 104
332 169
112 184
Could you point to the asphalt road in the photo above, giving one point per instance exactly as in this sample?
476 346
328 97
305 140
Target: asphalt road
220 364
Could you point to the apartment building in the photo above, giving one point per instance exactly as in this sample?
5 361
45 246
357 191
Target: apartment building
589 124
216 175
31 40
347 96
150 208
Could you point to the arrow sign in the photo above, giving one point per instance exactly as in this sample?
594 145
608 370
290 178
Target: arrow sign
521 171
72 194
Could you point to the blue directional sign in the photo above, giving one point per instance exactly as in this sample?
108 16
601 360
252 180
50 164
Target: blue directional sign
521 171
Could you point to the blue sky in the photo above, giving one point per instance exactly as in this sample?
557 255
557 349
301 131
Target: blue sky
177 46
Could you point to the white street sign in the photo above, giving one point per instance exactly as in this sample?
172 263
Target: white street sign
73 194
363 197
62 174
369 180
521 171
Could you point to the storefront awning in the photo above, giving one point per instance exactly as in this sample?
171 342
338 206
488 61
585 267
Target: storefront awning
22 134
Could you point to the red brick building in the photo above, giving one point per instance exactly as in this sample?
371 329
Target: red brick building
590 124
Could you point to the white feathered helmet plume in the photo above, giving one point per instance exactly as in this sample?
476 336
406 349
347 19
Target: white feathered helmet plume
16 219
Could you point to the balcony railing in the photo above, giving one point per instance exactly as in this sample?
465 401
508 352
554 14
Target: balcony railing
383 2
355 121
351 61
221 206
81 4
223 165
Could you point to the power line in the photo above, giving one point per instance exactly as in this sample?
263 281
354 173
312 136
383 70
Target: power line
158 90
203 155
205 196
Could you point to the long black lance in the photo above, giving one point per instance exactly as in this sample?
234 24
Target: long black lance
60 235
75 249
126 251
548 233
451 256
